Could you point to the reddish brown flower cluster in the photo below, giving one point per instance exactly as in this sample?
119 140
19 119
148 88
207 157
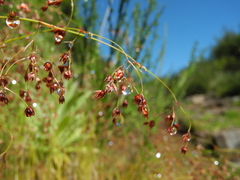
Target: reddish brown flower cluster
32 69
172 130
3 82
3 98
186 138
116 113
29 111
51 3
171 118
25 96
114 82
59 35
184 150
142 104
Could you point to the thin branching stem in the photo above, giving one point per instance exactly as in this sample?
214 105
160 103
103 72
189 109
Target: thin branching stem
118 48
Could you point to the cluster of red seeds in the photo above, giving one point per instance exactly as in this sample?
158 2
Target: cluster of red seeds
173 128
116 82
32 73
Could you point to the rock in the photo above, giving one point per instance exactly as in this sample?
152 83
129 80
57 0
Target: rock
229 138
198 99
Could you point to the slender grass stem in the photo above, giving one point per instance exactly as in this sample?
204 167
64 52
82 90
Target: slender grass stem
10 143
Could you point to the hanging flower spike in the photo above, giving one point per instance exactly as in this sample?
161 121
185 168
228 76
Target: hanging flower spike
151 124
145 112
32 58
67 74
29 111
61 99
64 57
116 112
30 76
110 87
3 82
59 35
53 87
170 117
28 98
138 99
99 94
119 74
184 150
47 66
172 130
186 137
3 98
62 68
108 79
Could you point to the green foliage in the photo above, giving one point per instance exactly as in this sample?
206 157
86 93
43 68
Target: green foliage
77 139
219 74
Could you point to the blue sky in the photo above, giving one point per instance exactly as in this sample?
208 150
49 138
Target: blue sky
190 21
185 22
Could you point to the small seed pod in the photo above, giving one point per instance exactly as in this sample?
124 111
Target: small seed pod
29 111
116 112
99 94
125 103
47 66
184 150
61 99
186 137
151 124
3 81
139 99
64 57
3 98
119 74
108 79
67 74
44 8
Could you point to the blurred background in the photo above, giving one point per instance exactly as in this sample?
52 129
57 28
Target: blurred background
194 47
